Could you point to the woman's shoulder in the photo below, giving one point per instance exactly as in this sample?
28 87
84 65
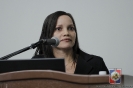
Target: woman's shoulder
94 61
88 56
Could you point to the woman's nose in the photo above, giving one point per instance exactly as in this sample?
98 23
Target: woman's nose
66 32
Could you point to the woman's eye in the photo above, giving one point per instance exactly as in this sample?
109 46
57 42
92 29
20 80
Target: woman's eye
58 28
71 28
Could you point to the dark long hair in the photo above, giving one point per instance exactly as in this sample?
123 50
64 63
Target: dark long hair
47 32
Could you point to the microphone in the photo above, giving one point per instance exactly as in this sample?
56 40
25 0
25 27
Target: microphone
53 41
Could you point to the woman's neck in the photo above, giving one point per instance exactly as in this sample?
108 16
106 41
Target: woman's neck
66 54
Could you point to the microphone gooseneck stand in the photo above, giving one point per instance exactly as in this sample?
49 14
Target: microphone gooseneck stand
32 46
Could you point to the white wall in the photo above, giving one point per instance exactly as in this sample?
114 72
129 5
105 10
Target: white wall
105 27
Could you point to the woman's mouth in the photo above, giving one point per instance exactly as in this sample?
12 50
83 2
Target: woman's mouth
67 39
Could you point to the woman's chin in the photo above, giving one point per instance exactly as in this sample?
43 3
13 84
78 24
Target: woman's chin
65 47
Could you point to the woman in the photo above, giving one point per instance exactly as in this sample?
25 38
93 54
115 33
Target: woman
62 25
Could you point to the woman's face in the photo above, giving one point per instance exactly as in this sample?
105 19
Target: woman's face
65 32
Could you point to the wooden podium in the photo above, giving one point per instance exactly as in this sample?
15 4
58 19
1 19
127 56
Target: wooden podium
52 79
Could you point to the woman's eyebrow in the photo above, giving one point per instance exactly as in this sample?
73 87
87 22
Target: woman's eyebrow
59 25
71 25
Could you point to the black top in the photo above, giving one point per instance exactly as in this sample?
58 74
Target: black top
90 64
87 64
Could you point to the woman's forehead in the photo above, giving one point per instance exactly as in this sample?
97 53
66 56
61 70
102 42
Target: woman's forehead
64 19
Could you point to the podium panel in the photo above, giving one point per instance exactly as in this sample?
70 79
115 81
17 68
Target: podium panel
53 79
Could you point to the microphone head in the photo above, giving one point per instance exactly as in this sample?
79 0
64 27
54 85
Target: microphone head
56 41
